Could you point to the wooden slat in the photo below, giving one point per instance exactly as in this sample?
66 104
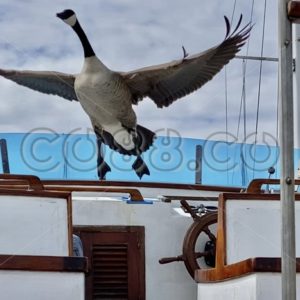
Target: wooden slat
110 271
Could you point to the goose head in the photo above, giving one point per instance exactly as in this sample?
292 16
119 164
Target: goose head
68 16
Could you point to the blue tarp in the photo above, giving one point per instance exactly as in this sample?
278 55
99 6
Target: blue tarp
171 159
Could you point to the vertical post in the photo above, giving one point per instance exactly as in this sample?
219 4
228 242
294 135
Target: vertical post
287 195
4 156
198 170
297 96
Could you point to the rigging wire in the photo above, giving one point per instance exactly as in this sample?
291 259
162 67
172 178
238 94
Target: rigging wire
233 11
259 86
277 124
226 125
226 105
243 105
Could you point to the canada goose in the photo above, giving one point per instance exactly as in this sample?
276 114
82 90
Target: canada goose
107 96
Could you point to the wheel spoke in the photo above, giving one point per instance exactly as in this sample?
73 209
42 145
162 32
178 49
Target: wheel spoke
201 254
210 234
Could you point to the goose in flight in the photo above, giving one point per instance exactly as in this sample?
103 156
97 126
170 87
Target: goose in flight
107 96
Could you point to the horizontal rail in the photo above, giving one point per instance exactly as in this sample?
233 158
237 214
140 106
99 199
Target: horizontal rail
255 185
15 180
189 198
274 59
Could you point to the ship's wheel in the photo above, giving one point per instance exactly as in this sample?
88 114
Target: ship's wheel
204 217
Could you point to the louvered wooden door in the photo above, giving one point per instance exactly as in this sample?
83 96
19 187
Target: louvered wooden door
117 262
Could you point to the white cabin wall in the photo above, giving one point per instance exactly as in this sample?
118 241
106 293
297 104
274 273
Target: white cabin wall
258 286
237 289
253 229
41 285
164 233
34 226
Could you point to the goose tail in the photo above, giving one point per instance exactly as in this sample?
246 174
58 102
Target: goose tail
143 141
145 138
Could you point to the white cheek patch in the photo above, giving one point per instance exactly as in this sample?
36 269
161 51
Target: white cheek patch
71 20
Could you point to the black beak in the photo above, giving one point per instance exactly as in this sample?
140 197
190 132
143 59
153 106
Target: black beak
65 14
59 15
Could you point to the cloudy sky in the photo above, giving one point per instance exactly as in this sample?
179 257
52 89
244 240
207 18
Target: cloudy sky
129 34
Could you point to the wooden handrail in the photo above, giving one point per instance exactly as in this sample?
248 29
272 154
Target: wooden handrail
254 186
32 181
168 199
141 184
135 194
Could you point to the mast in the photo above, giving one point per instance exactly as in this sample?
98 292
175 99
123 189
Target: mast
287 195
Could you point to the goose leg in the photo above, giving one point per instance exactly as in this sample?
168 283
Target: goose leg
102 166
140 167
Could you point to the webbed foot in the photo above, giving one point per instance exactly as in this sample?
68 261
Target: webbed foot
140 167
102 169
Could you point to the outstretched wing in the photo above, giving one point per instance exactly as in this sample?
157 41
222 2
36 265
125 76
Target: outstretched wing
168 82
47 82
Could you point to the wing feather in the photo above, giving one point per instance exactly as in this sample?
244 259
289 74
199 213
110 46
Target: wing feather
47 82
168 82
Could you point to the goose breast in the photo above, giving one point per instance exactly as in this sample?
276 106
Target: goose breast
105 97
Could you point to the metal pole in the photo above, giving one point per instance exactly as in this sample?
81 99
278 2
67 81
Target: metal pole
287 195
4 156
275 59
296 40
198 171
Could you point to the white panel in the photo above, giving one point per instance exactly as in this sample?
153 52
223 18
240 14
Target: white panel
259 286
253 229
33 226
237 289
16 285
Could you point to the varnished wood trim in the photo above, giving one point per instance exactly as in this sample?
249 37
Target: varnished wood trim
248 266
105 228
221 241
31 193
293 11
70 223
140 184
256 184
249 197
43 263
33 181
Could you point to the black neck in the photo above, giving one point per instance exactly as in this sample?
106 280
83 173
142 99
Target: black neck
87 48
